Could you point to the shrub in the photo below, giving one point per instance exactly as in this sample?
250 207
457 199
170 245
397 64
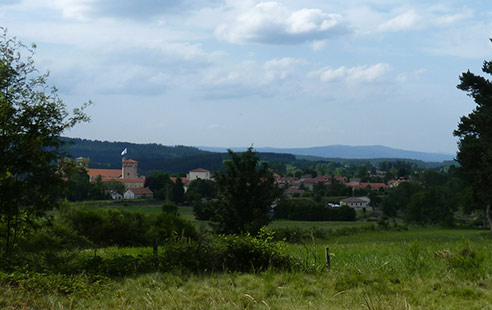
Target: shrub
170 208
306 209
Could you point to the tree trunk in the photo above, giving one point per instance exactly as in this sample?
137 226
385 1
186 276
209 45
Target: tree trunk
7 243
488 213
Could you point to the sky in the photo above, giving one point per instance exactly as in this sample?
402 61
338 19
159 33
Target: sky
235 73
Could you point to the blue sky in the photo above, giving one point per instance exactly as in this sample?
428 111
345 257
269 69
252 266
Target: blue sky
240 72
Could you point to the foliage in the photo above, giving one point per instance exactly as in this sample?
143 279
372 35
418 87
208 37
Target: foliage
399 197
170 207
31 157
160 184
247 191
77 186
115 185
109 227
177 192
434 206
305 209
475 136
205 210
204 188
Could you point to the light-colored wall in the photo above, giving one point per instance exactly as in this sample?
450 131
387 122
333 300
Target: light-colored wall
129 195
133 184
129 170
193 175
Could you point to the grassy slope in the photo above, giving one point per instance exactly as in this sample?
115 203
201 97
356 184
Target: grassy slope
376 270
370 270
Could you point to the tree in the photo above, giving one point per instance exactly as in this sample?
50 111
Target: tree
115 185
177 191
160 184
32 119
78 187
435 206
399 197
247 190
475 137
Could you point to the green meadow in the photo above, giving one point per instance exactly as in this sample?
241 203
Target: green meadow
417 268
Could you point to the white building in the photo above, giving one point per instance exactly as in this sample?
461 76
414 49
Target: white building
135 193
198 174
358 203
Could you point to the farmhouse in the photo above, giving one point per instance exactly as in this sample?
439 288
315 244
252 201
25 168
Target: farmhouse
358 203
135 193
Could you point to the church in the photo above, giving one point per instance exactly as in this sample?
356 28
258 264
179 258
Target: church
128 174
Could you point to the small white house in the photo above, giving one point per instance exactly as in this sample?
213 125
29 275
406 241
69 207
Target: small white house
135 193
198 174
358 203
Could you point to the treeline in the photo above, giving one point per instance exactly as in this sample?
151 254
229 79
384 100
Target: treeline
107 152
432 198
305 209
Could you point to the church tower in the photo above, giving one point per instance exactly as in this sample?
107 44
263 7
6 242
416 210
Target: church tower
129 169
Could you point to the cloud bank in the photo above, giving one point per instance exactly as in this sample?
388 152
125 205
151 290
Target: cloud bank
274 23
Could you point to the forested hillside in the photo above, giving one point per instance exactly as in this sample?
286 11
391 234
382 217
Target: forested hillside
171 159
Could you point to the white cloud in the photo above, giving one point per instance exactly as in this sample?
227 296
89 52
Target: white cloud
280 68
274 23
363 73
405 21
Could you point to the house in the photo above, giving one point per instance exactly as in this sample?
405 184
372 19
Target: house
358 203
309 183
136 193
395 183
198 173
294 192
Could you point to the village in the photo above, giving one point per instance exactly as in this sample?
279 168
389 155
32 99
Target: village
293 187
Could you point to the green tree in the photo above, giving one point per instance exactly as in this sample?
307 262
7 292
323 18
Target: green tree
115 185
204 188
160 184
475 137
435 206
247 190
32 119
177 192
399 197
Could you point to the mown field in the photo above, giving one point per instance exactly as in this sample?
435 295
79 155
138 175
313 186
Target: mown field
418 268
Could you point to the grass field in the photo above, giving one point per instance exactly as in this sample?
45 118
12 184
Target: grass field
424 268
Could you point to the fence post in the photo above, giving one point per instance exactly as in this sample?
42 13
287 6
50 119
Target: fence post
327 252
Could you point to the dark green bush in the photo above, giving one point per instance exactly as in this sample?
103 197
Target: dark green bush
306 209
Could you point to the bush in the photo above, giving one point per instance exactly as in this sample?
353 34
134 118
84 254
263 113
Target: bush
170 208
205 210
305 209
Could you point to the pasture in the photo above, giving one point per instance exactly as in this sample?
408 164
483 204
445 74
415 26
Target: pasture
418 268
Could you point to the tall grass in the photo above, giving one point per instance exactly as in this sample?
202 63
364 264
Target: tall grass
423 268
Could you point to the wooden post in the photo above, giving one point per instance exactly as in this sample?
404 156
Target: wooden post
327 252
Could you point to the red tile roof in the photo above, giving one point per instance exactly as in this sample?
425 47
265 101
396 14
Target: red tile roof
105 173
129 161
183 180
371 185
139 180
141 191
199 170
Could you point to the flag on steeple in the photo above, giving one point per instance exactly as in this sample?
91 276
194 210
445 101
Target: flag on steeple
124 152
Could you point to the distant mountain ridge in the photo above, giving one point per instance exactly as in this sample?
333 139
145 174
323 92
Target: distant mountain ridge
346 151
